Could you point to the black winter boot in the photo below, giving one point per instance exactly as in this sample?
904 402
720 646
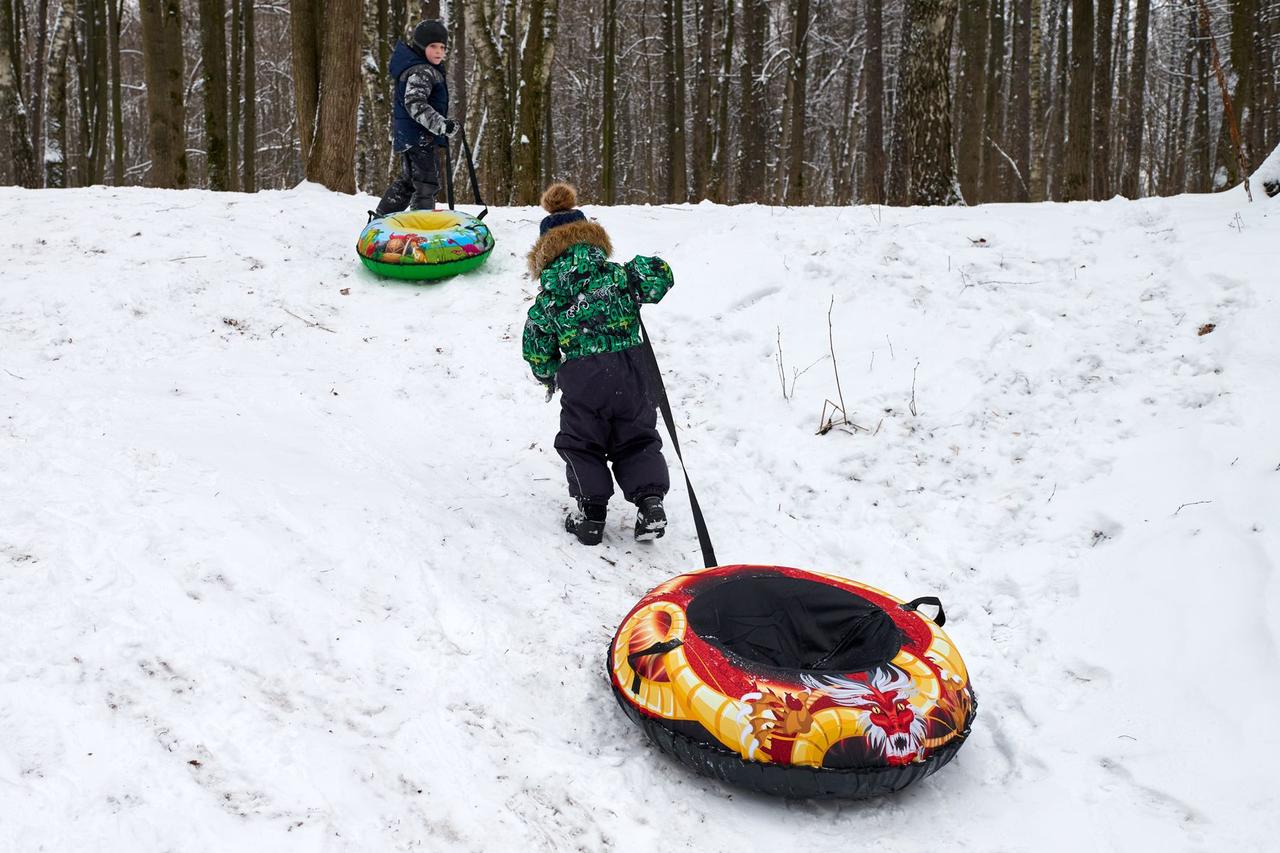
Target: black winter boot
587 522
651 518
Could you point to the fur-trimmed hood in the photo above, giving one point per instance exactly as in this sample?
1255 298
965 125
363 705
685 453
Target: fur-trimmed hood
560 239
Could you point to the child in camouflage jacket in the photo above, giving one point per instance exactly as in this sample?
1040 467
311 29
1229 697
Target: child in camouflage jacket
422 123
583 336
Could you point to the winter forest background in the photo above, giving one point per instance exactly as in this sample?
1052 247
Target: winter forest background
774 101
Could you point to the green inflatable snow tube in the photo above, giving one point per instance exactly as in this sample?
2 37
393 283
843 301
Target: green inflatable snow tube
422 245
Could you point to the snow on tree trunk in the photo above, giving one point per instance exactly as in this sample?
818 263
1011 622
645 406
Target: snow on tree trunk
55 156
925 103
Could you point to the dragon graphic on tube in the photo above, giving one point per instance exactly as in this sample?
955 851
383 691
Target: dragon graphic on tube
894 727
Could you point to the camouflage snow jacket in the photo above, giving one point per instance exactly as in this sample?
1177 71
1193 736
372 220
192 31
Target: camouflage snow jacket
589 306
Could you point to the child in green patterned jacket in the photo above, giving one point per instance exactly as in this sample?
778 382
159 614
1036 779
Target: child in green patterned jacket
583 336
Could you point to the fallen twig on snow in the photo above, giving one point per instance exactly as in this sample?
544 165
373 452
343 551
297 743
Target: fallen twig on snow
311 323
912 407
1192 503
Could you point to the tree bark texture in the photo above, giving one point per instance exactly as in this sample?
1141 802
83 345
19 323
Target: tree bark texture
1021 75
55 153
307 19
333 153
722 156
703 115
213 69
1075 183
1136 106
608 130
249 175
1102 87
799 82
970 85
994 169
677 147
117 101
925 102
755 118
873 189
17 149
233 113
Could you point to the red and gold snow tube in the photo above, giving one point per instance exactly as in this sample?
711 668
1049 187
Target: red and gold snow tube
792 682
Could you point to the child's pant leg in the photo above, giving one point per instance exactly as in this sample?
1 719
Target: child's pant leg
417 185
583 437
424 171
635 448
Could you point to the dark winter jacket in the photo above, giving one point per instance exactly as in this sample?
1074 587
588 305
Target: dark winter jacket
586 305
421 100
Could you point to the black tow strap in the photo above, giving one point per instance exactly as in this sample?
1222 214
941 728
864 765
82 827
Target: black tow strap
471 172
664 405
656 649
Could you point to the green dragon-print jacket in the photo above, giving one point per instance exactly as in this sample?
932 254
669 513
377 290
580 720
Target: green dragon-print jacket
588 305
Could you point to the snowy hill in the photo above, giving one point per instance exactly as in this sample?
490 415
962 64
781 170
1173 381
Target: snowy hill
281 565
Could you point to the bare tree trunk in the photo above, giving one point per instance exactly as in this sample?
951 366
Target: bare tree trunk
213 69
1076 183
38 91
457 61
799 82
498 120
55 158
609 180
1039 73
534 73
114 8
970 85
166 109
925 102
1057 126
233 117
1020 85
250 176
1102 85
873 189
1246 24
722 156
333 152
898 190
1201 156
307 19
18 150
96 79
677 147
703 117
993 165
755 112
1136 100
1178 127
1120 110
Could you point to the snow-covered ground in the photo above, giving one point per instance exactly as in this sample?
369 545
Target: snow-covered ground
281 564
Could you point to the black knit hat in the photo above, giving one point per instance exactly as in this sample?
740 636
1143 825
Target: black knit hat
560 200
429 32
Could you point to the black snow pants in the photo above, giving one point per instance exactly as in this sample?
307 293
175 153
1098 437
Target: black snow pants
418 183
607 416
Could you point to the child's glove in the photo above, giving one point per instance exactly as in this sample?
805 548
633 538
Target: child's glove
450 127
550 384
